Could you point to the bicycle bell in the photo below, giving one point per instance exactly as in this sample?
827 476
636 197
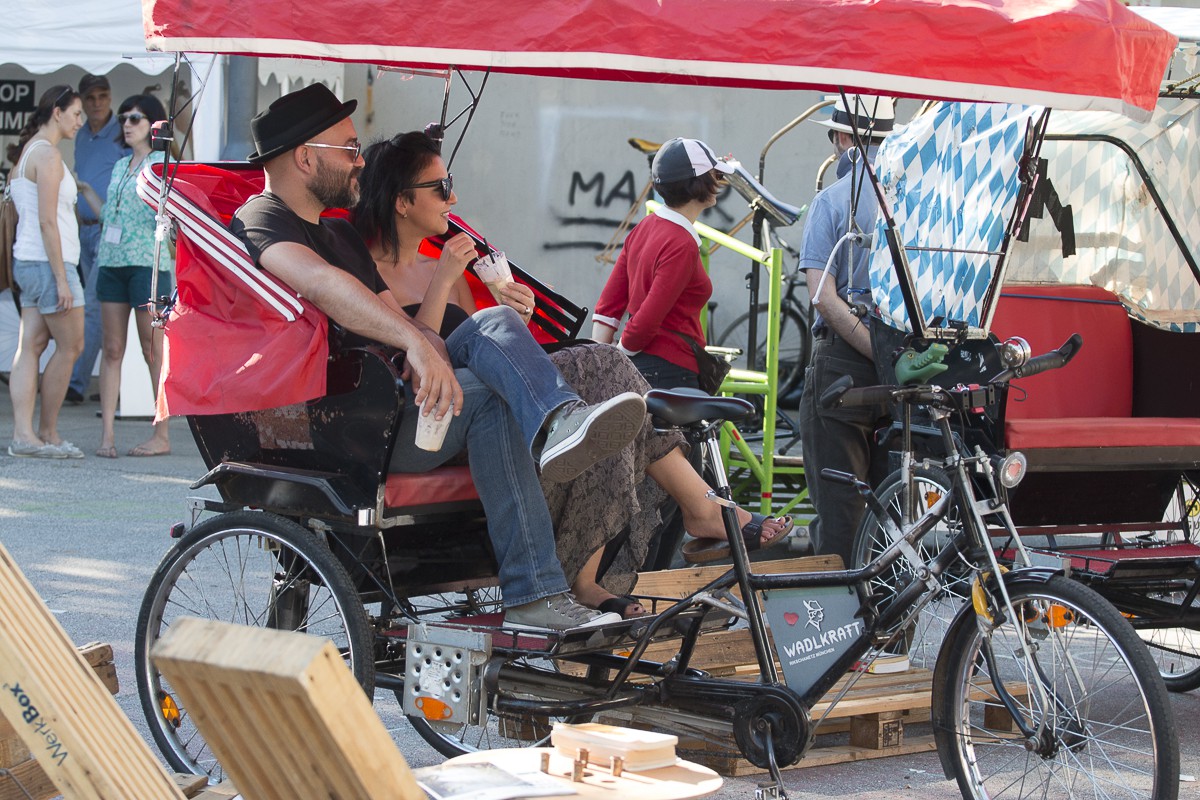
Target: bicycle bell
1014 352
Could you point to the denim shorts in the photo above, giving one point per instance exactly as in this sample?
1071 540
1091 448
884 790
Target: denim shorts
129 285
662 374
38 288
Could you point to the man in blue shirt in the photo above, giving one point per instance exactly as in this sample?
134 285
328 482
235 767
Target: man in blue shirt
842 438
96 150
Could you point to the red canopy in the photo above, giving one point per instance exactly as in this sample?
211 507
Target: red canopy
1074 54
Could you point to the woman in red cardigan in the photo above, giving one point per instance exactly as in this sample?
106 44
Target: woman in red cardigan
659 280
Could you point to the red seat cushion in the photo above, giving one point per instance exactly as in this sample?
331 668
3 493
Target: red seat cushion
442 485
1099 380
1032 434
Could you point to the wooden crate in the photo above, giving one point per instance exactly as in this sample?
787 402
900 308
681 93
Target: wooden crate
25 780
282 713
62 710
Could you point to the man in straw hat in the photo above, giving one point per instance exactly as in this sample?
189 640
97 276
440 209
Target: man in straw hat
508 400
842 438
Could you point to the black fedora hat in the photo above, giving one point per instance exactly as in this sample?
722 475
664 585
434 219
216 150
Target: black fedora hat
294 119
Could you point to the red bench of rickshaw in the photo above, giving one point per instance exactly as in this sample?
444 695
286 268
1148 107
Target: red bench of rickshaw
1108 436
344 464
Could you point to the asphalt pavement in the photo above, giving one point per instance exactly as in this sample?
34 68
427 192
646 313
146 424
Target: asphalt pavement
88 534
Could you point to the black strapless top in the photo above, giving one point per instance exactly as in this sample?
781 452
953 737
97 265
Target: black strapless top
454 316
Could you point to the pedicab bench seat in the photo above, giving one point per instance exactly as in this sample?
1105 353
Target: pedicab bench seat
1103 431
325 455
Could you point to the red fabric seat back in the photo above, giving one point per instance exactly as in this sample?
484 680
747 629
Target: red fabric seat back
1099 380
238 339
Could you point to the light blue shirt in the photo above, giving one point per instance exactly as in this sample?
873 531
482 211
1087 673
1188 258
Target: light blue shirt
95 155
827 220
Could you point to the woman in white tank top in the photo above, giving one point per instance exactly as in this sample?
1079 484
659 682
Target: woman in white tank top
45 256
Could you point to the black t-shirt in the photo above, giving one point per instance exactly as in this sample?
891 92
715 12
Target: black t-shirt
451 319
264 220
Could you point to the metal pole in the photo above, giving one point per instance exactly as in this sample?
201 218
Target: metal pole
241 93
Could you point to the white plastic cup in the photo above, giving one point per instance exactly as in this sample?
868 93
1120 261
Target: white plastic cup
431 431
493 268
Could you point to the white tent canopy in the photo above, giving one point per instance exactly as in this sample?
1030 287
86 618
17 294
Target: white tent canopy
47 35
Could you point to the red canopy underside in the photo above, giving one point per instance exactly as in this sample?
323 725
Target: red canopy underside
1062 53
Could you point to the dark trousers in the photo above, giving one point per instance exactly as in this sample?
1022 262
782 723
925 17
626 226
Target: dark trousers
841 439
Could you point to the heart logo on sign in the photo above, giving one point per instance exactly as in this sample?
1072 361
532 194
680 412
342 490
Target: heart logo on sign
791 617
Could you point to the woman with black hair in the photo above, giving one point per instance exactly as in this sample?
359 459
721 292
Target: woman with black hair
126 266
659 279
406 195
45 255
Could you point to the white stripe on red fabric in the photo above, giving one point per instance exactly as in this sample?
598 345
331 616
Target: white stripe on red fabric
226 250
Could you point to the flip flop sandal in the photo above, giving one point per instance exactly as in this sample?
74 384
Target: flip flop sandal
701 551
620 605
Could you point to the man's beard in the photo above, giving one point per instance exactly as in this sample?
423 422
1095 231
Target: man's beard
334 189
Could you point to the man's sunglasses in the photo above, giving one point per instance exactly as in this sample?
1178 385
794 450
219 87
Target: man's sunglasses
133 117
355 149
446 185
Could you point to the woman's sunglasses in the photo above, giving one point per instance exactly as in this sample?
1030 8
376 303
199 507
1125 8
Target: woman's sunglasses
133 117
446 185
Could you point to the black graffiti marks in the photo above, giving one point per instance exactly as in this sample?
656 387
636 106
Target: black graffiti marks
596 205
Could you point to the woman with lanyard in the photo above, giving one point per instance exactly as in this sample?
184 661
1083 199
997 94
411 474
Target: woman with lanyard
45 254
126 264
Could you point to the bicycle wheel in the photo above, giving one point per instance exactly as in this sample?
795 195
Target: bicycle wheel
795 344
923 639
251 568
1078 678
1176 651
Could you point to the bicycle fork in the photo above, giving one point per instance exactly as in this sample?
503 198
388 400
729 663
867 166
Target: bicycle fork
993 606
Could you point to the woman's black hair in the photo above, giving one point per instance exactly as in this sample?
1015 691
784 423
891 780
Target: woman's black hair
391 167
148 104
679 193
60 96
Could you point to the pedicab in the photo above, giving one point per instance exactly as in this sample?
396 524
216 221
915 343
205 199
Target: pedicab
311 533
1112 444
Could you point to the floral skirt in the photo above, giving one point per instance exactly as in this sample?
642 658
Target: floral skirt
596 507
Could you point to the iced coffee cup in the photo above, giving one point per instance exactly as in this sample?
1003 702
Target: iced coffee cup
431 431
493 269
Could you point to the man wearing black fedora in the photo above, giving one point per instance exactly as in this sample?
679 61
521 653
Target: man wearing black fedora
842 438
507 399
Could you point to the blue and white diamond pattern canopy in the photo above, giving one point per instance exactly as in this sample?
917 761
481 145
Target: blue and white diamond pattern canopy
951 179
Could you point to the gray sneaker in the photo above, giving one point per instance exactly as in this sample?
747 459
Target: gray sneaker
26 450
558 612
67 449
579 436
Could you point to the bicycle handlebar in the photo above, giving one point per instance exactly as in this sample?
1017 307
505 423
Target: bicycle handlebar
1047 361
842 394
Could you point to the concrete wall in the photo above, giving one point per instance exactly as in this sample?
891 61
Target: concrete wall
546 173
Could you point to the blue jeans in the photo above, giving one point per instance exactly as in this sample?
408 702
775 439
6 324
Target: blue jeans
509 388
89 250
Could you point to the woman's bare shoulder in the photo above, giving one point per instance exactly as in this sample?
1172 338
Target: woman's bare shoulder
43 160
